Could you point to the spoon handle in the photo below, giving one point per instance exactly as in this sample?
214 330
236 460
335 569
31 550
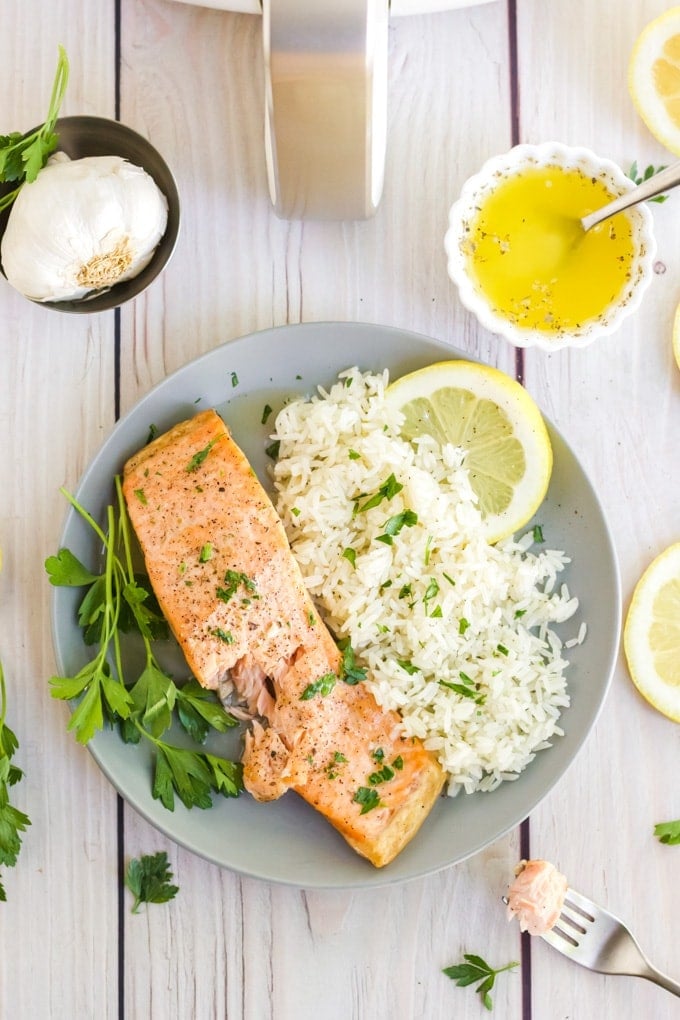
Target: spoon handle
663 181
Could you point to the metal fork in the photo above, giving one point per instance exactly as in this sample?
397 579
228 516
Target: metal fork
596 939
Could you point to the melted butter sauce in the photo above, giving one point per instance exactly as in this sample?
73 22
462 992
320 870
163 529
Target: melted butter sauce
528 254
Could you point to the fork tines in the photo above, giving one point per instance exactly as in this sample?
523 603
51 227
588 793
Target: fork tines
578 913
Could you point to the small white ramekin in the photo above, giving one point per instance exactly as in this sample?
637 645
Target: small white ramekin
486 181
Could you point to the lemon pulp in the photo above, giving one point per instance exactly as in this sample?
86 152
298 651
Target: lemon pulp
529 256
492 418
651 635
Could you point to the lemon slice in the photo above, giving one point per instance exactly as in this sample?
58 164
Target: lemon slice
654 78
676 336
651 636
493 418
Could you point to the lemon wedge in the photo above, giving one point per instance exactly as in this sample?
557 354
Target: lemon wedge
676 336
654 78
651 636
493 418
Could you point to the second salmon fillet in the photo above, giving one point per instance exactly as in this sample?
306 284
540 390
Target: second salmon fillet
220 565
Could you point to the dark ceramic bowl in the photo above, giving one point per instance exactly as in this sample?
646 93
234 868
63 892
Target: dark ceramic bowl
97 136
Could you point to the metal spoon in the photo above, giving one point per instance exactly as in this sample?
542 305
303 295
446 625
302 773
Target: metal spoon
663 181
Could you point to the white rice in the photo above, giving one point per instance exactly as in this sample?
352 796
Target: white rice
495 634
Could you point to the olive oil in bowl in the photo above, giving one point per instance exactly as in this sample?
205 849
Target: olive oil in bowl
532 259
522 260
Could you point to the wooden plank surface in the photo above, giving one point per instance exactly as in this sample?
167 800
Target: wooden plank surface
190 79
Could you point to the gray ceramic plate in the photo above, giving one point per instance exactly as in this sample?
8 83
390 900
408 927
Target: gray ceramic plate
287 841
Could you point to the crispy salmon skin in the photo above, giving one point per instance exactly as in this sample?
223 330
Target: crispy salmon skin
220 565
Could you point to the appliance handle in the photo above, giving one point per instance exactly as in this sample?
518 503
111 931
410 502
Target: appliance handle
325 106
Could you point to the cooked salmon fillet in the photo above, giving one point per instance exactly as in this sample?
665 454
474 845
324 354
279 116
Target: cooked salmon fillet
220 565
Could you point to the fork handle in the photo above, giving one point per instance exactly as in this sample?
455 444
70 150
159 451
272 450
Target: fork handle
652 974
667 178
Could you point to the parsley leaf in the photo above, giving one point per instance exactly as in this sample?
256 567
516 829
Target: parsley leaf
323 686
198 458
387 490
12 821
233 579
668 832
65 569
148 879
650 171
22 157
147 706
349 671
199 710
477 969
405 519
368 797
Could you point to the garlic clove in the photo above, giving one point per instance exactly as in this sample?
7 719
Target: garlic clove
82 226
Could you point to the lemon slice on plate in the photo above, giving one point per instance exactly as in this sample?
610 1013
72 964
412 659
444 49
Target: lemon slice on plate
676 336
651 636
654 78
493 418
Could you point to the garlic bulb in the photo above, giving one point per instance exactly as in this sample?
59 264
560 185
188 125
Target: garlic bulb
81 226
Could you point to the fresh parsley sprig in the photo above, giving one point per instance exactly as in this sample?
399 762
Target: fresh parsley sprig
477 969
149 880
22 157
668 832
117 601
12 821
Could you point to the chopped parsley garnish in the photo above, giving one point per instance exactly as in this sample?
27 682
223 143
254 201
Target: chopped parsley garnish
502 649
519 613
266 412
449 579
353 455
205 553
224 635
139 493
538 533
349 671
463 625
405 519
382 776
428 550
405 591
198 458
431 591
378 755
350 555
323 686
332 770
233 579
467 688
408 667
295 510
273 449
398 763
368 797
234 379
387 490
153 432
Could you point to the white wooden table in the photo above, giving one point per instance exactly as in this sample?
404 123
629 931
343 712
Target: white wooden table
463 85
